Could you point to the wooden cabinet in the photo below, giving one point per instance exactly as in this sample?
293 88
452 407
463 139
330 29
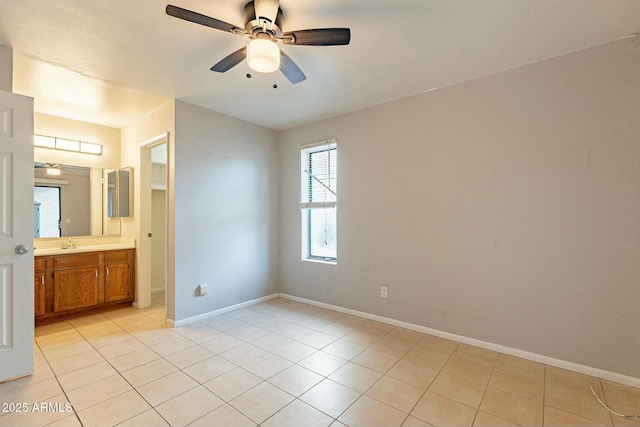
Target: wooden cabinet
39 294
76 284
116 285
39 287
75 288
75 281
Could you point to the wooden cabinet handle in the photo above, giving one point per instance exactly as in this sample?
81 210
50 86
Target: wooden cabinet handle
107 271
42 279
96 274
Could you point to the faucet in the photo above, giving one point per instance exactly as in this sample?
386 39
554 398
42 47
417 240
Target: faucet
69 244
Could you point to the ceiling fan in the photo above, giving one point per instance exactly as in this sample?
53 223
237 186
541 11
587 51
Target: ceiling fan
263 19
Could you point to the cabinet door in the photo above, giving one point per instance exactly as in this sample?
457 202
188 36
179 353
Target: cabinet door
116 283
75 288
39 293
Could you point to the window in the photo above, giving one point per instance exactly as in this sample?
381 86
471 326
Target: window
318 201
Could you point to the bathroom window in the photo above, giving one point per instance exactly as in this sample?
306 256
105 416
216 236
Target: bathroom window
319 201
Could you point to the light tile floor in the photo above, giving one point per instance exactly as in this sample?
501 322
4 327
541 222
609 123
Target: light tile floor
283 363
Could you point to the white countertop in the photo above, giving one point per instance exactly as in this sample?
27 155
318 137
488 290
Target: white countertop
79 249
54 246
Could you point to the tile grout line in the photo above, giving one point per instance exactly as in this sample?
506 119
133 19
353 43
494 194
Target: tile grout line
87 340
265 380
220 355
297 317
121 376
64 392
324 377
436 377
136 388
383 374
295 398
544 392
486 387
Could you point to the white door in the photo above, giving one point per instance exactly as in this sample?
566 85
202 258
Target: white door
16 235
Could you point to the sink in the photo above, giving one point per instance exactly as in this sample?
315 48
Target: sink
83 248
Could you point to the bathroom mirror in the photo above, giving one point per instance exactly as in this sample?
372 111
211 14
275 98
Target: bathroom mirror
69 201
120 191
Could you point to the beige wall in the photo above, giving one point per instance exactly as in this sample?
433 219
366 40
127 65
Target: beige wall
504 209
222 217
155 123
6 68
225 210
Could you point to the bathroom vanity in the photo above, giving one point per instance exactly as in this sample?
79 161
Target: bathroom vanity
83 280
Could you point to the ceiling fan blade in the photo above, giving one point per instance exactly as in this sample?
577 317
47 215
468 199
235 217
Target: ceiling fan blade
290 69
318 37
230 61
267 9
198 18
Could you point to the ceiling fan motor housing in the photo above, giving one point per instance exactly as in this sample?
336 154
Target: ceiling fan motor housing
255 25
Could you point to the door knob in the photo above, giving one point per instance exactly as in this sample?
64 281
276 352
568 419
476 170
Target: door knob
22 249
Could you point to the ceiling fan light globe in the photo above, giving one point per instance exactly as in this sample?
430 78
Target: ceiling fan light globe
263 56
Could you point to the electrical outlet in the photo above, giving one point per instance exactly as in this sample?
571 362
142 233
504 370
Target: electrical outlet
202 290
383 292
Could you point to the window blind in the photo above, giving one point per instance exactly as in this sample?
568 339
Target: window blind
318 175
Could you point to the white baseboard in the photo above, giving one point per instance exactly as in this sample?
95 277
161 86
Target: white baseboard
582 369
199 317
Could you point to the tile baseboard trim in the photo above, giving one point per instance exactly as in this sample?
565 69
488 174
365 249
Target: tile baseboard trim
558 363
196 318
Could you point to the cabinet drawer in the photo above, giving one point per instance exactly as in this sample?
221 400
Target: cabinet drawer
64 261
39 264
113 256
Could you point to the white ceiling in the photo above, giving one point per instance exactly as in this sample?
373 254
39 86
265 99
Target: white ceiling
109 62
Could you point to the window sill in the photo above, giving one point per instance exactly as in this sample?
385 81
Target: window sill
321 261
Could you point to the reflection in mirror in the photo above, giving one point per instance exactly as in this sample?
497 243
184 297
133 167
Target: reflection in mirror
112 196
68 201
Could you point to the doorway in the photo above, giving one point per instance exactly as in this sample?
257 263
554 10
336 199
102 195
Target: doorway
158 225
153 280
